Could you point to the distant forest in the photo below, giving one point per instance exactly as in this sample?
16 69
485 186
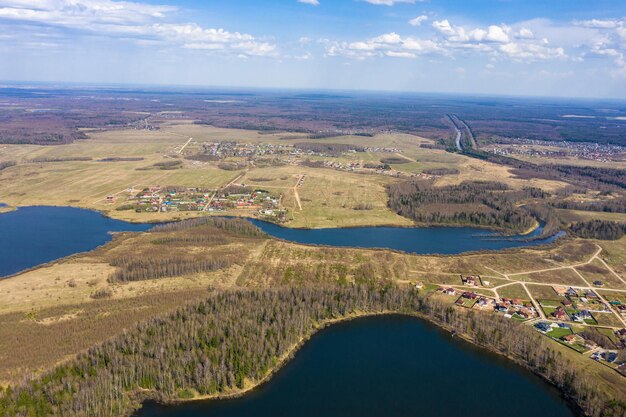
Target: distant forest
321 115
232 337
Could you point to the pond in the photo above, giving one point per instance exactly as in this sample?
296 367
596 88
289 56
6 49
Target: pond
394 366
31 236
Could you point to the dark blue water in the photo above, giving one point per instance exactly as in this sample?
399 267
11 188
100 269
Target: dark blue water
30 236
419 240
389 366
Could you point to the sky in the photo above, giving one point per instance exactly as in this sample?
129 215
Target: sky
568 48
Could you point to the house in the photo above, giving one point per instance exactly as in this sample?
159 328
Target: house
526 313
419 285
501 308
591 294
543 326
470 280
560 314
567 302
482 302
449 291
571 338
598 283
571 292
469 295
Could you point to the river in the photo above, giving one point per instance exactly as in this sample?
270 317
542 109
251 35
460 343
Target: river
391 366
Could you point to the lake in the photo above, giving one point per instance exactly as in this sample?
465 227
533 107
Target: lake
392 366
418 240
31 236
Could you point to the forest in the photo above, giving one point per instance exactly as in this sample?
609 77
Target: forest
173 254
599 229
489 204
234 338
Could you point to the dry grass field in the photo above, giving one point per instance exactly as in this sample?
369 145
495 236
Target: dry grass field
45 305
571 216
328 197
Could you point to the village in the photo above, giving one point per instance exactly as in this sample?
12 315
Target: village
167 199
571 318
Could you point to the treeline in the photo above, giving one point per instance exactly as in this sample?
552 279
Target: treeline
479 203
61 159
164 166
236 226
7 164
121 159
161 264
616 205
599 229
232 166
441 171
235 337
333 149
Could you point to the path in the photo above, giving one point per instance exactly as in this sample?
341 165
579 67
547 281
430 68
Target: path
296 195
184 146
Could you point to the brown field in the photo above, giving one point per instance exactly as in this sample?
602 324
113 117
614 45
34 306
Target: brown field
560 276
513 291
583 216
597 271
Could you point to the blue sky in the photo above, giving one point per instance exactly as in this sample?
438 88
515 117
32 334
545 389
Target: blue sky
510 47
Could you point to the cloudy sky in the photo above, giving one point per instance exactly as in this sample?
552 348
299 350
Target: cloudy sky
511 47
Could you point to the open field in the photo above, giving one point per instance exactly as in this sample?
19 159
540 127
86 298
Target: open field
580 216
75 174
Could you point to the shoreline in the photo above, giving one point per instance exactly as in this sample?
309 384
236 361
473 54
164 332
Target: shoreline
529 244
318 327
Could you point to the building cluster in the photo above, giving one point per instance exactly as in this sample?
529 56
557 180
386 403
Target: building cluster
256 200
580 150
222 150
158 199
167 199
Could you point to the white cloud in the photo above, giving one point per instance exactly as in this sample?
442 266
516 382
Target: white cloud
395 54
418 20
492 33
525 33
606 38
498 42
599 23
388 44
531 52
311 2
135 20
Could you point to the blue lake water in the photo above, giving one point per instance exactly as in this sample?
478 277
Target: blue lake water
390 366
418 240
30 236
